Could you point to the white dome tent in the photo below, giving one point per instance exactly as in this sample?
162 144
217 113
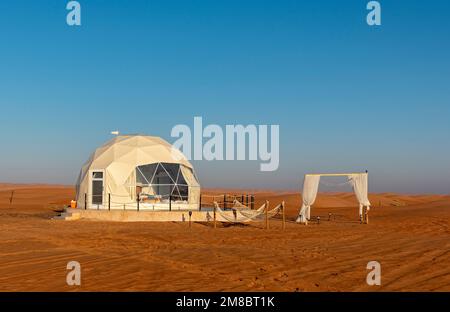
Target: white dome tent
137 172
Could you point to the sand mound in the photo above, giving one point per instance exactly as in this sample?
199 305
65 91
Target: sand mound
409 236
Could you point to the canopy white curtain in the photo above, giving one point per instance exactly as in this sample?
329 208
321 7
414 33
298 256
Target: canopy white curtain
359 181
310 189
360 186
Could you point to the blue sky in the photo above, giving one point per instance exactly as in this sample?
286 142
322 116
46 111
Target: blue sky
347 97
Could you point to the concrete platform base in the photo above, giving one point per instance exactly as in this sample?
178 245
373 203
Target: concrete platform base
142 216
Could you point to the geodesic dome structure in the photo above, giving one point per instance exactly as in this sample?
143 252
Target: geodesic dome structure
135 168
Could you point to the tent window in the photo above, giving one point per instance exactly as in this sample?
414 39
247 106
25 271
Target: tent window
97 192
162 180
97 188
97 175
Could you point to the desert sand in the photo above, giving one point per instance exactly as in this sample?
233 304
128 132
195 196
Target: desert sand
408 234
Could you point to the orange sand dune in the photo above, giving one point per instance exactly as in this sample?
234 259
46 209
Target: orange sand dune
409 236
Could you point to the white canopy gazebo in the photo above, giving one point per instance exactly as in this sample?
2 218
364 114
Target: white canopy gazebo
359 182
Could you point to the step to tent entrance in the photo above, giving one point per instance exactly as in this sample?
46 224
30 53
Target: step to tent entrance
68 216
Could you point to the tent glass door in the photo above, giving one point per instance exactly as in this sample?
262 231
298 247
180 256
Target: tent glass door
97 188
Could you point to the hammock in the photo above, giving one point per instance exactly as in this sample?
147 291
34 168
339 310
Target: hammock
239 217
238 205
270 214
246 215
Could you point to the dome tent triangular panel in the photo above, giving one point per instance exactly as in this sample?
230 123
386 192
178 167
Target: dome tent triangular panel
109 177
120 171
